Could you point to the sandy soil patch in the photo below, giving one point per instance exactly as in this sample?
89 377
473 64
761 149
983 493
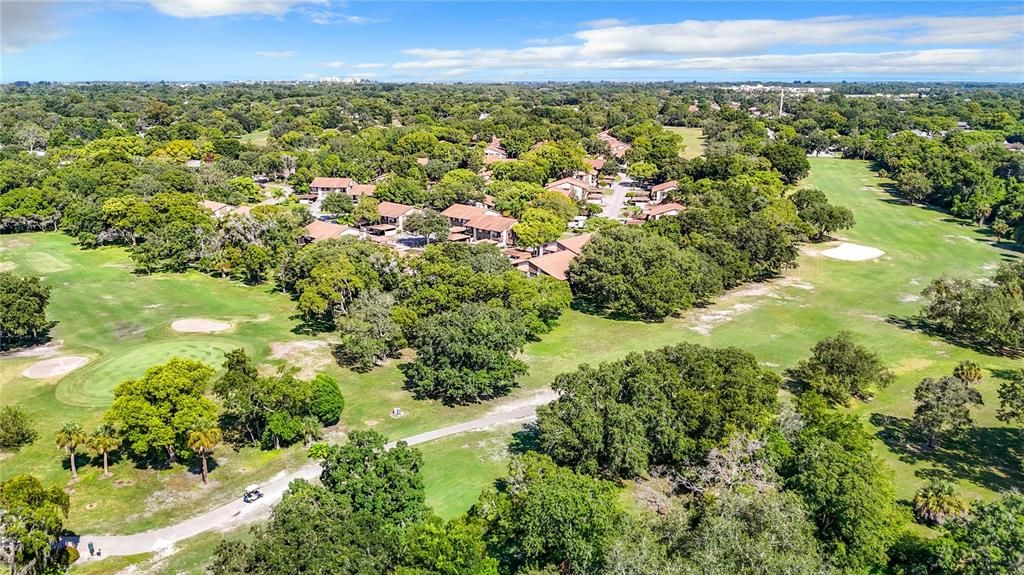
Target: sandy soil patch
709 319
54 367
910 298
311 355
7 266
199 325
853 252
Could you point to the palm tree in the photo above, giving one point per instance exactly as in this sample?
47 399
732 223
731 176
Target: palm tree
202 442
311 429
969 372
936 503
103 441
70 436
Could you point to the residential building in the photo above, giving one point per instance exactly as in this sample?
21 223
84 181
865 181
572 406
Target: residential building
319 230
659 191
618 147
219 209
661 210
459 214
555 257
593 172
497 229
323 186
494 152
554 264
575 188
357 191
392 218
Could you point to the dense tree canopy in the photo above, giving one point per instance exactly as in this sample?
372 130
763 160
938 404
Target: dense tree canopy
660 407
157 411
631 272
467 354
546 515
839 369
23 302
32 520
987 314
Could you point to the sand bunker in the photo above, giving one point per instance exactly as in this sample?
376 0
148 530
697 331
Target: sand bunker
199 325
853 252
54 367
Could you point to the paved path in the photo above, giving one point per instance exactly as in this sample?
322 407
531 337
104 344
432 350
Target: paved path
238 513
613 204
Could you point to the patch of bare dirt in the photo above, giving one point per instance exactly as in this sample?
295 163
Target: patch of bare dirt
310 356
124 329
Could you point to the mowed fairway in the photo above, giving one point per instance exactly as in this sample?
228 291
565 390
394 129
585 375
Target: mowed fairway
121 322
781 320
693 139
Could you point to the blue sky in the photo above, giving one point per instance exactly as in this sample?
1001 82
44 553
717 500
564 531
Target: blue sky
194 40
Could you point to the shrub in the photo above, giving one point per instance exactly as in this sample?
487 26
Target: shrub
15 428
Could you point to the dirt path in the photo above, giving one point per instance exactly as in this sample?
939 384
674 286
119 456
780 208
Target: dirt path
238 513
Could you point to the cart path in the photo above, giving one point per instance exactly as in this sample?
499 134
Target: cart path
238 513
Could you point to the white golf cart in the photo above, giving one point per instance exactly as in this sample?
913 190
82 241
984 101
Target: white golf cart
252 493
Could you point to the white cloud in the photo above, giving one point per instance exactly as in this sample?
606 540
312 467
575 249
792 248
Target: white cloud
366 65
962 46
208 8
603 23
26 23
329 17
335 64
277 54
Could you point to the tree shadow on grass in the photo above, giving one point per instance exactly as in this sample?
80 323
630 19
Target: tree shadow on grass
195 465
921 325
42 337
311 326
1006 374
590 309
525 440
987 456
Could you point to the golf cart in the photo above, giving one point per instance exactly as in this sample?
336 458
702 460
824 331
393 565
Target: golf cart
252 493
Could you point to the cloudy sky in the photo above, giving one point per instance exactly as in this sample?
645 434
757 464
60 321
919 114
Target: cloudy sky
187 40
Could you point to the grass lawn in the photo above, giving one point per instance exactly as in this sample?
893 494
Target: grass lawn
121 322
256 138
693 138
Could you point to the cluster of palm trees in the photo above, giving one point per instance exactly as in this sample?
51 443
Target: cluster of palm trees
106 440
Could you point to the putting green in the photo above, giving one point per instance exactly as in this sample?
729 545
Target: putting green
94 385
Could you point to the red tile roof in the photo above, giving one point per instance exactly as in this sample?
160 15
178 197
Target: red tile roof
392 210
664 208
596 163
362 190
492 223
321 182
463 212
575 243
571 181
555 264
320 230
671 184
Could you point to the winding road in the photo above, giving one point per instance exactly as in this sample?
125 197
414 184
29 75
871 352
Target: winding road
238 513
